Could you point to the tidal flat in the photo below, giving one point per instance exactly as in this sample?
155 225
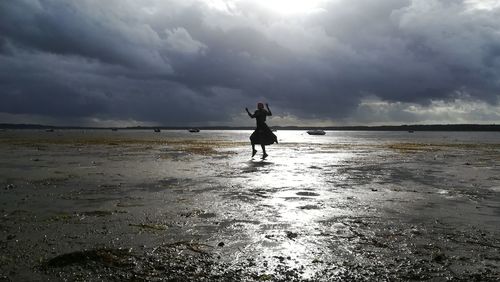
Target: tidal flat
135 205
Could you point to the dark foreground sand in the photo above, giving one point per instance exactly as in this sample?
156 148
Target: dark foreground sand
118 207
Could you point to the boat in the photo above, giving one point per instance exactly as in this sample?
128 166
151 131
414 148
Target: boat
157 130
316 132
410 131
193 130
49 130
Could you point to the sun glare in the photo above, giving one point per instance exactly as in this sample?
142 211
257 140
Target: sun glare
282 7
289 7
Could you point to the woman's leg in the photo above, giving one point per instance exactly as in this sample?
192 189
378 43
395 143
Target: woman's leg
253 150
264 154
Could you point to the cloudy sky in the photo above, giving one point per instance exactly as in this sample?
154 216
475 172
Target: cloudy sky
201 62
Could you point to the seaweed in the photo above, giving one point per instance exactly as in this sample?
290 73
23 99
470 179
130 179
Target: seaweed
107 257
150 226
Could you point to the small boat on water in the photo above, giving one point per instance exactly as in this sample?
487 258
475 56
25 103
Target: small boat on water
316 132
157 130
193 130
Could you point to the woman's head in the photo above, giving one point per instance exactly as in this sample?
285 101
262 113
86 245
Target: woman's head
260 106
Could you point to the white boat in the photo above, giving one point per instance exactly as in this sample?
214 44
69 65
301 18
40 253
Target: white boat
316 132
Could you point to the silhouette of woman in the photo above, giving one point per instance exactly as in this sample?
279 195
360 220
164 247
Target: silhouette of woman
262 134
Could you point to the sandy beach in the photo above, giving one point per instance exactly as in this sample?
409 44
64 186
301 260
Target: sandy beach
177 206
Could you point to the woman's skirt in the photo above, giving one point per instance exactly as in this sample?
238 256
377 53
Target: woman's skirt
263 135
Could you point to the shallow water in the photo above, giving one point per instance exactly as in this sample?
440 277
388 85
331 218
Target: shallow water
346 205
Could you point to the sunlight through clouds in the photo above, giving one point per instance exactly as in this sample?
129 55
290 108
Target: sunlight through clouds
289 7
280 7
483 4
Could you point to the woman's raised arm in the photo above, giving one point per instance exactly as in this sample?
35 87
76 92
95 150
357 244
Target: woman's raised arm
249 114
268 110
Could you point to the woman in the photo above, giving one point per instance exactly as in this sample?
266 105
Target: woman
262 134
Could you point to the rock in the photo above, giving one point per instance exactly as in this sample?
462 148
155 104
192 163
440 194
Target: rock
291 235
280 258
438 257
221 244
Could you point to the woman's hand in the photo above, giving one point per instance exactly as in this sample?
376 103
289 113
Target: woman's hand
268 110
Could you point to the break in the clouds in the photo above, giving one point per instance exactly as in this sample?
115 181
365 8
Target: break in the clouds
175 62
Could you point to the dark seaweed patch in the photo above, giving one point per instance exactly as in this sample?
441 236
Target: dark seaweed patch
107 257
308 194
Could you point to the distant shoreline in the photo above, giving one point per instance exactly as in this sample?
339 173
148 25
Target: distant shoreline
431 127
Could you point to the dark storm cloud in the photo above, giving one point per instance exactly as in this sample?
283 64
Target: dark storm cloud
174 62
414 51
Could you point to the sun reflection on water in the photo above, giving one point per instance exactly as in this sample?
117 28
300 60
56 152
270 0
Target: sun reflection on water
299 196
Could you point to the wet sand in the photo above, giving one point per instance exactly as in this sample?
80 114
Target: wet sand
175 206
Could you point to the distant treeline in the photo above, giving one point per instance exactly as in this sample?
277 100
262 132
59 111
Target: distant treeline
430 127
